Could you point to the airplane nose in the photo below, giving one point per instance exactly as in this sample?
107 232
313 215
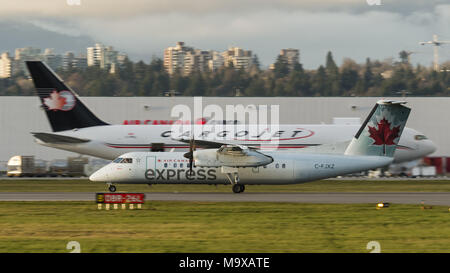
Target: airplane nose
99 176
430 147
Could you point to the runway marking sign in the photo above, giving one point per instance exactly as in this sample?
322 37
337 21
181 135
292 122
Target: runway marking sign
120 198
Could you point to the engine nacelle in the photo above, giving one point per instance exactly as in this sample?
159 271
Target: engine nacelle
231 156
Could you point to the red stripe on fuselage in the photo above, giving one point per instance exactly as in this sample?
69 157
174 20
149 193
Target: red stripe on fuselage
185 147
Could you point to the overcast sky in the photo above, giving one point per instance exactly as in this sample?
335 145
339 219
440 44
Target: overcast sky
348 28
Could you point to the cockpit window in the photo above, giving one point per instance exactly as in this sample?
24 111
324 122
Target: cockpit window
420 137
127 160
123 160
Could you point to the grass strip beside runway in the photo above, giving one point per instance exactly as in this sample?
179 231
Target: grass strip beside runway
222 227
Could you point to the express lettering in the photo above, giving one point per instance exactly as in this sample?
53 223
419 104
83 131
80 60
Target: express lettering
171 174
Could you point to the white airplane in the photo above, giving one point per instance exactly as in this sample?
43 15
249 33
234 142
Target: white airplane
373 146
77 129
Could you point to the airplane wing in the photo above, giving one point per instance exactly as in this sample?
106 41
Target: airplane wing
58 139
204 143
208 144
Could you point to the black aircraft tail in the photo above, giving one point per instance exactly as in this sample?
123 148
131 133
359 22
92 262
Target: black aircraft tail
63 108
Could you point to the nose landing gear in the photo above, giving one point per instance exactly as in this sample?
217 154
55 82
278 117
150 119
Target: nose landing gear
111 188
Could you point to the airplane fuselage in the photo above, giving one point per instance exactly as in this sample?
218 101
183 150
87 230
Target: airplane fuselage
110 141
287 168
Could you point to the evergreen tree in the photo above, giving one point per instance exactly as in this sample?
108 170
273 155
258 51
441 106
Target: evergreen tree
332 72
281 67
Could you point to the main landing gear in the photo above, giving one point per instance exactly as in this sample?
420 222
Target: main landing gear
238 188
233 177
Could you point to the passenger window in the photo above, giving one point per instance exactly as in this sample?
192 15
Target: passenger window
165 165
174 165
277 165
283 166
181 165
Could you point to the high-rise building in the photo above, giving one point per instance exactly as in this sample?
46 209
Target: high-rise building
187 59
196 60
80 62
94 55
239 58
174 58
102 56
25 54
70 61
54 61
6 65
216 61
109 57
67 60
291 57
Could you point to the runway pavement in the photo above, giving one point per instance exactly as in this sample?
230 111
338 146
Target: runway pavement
430 198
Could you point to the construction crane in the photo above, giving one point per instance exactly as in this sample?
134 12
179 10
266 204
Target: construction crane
407 55
436 44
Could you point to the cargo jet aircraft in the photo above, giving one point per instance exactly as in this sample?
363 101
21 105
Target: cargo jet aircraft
77 129
373 146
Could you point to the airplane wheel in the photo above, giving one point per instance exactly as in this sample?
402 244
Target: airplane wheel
112 188
237 188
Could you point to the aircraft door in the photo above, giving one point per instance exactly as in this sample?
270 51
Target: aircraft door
150 168
138 165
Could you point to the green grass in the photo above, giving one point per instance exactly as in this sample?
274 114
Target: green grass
222 227
413 185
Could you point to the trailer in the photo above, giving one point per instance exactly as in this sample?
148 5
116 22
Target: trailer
58 167
423 171
75 166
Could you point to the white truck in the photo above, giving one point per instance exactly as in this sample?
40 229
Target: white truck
423 171
20 165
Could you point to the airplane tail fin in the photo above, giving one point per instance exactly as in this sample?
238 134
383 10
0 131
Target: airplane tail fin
381 131
63 108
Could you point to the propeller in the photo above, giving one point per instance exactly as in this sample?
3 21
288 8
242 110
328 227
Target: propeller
190 155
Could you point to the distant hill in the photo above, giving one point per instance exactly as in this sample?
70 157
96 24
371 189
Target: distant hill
18 34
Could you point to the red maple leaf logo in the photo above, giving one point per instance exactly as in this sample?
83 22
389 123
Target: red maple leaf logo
55 101
384 135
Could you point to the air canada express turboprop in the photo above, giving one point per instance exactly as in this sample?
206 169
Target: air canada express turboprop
373 146
77 129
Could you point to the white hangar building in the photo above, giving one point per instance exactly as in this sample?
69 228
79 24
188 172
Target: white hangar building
21 115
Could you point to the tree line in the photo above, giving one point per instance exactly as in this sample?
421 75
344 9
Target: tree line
371 78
